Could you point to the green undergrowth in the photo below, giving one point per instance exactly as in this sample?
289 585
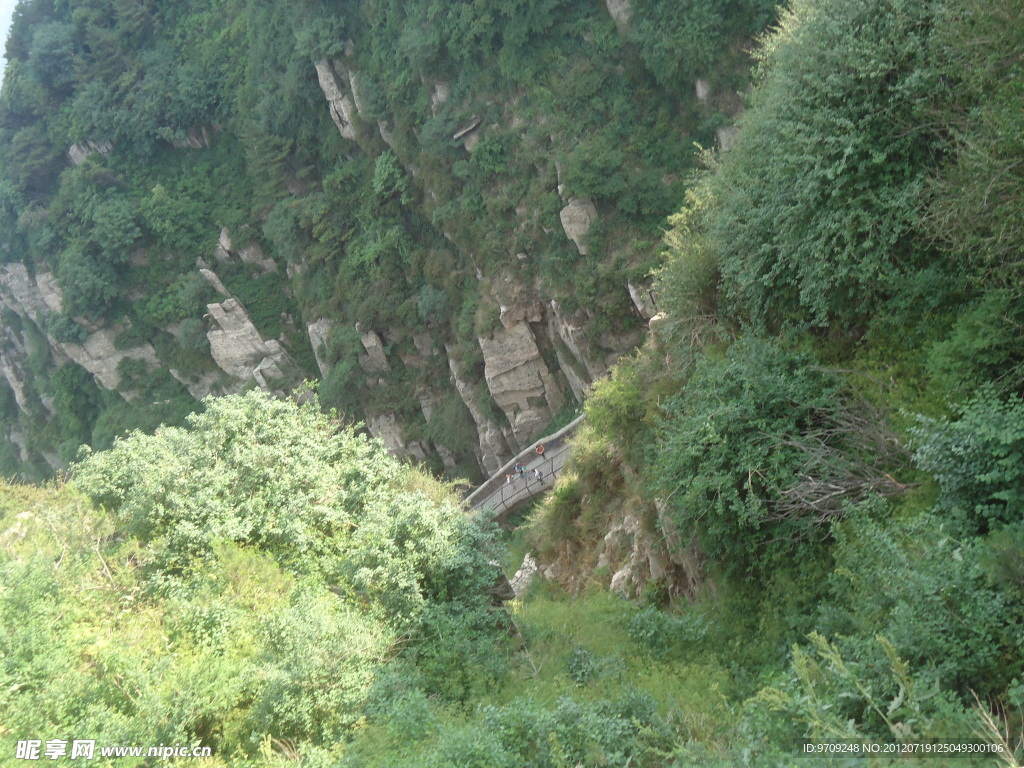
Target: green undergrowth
577 658
707 685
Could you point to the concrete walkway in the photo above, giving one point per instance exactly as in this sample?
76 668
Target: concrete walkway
499 497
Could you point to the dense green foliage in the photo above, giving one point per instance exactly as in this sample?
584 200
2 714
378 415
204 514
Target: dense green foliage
257 574
209 114
733 445
810 478
829 411
819 198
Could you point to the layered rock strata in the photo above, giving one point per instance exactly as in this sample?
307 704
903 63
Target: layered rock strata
520 382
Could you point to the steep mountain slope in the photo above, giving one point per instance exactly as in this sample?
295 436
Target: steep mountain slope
444 213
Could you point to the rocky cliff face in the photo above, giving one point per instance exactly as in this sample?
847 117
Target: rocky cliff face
534 363
457 262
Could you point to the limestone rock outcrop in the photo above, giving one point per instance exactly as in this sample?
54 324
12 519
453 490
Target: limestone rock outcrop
385 427
620 11
211 277
636 556
703 90
249 254
199 386
519 375
578 216
643 300
520 382
238 348
29 296
572 334
439 94
196 137
319 331
35 298
518 313
80 150
100 357
494 450
375 361
525 575
342 106
726 136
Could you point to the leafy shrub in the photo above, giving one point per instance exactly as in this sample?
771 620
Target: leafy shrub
131 369
469 747
735 442
979 190
66 330
983 347
264 296
1004 559
279 477
492 154
55 46
618 409
815 223
581 665
555 521
389 178
77 400
928 594
434 307
135 335
192 335
186 297
688 282
977 460
89 285
457 654
832 698
665 635
678 41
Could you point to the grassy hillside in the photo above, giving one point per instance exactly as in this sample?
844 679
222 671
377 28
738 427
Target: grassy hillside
828 415
342 614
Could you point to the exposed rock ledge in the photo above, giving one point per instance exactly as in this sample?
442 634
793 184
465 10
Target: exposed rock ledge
385 428
78 151
98 355
319 332
240 351
577 218
520 382
343 109
620 11
494 449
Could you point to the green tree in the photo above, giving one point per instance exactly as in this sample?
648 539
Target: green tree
978 460
678 41
89 284
54 48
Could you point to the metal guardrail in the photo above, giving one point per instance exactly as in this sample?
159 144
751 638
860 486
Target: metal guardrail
500 496
526 486
525 456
